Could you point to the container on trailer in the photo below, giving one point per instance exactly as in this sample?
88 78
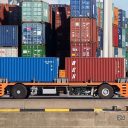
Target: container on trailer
83 30
83 8
122 16
33 33
29 69
8 52
33 51
9 35
116 16
35 11
115 36
83 50
119 37
94 69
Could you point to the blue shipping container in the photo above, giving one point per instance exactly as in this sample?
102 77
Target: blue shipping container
29 69
120 37
33 33
115 51
122 16
83 8
100 38
8 35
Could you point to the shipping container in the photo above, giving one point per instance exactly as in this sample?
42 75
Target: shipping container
123 38
115 36
98 17
29 69
120 52
9 35
94 69
83 8
122 16
2 13
83 50
100 38
8 52
119 37
13 15
116 16
35 11
126 35
33 51
99 53
115 52
33 33
126 22
124 52
83 30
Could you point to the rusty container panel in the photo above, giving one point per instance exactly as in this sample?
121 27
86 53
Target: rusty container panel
2 13
98 17
83 50
94 69
116 16
115 36
83 30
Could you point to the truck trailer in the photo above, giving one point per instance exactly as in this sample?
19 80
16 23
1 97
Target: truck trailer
96 77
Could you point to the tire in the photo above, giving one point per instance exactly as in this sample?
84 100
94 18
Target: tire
19 91
105 91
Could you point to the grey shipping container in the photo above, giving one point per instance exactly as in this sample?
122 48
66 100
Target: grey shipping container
33 33
9 35
29 69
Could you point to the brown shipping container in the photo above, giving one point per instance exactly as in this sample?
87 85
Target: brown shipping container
94 69
116 16
2 13
83 50
115 36
83 30
99 17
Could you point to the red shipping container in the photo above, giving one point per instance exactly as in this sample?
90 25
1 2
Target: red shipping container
83 50
83 30
94 69
115 36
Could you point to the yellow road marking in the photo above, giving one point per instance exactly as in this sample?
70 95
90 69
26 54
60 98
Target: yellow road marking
9 110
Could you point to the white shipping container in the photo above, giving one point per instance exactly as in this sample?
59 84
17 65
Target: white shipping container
120 52
8 52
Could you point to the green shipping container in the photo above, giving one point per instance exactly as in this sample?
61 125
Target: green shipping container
33 51
126 34
123 38
35 12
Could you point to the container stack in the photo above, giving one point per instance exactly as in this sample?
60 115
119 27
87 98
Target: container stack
35 17
61 31
100 24
83 28
8 41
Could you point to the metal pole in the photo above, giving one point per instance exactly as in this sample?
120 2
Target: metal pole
105 44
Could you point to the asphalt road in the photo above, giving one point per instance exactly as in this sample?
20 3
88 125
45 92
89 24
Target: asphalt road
79 103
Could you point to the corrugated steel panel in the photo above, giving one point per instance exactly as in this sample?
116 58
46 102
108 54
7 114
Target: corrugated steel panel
29 69
123 38
35 11
126 34
8 52
122 16
120 52
115 36
2 13
83 30
98 17
9 35
120 37
83 50
94 69
100 38
83 8
116 16
33 33
33 51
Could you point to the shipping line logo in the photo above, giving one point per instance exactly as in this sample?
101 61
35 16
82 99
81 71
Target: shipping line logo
73 70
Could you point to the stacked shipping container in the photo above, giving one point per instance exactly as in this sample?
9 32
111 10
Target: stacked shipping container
35 16
83 28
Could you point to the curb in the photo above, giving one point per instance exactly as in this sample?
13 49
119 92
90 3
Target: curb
96 110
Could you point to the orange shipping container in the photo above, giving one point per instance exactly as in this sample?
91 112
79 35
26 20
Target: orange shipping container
98 17
116 15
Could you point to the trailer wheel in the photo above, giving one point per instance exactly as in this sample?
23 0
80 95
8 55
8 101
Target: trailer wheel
105 91
19 91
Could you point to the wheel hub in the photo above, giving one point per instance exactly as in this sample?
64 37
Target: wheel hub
105 92
18 91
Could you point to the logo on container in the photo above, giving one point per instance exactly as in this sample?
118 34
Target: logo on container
73 69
